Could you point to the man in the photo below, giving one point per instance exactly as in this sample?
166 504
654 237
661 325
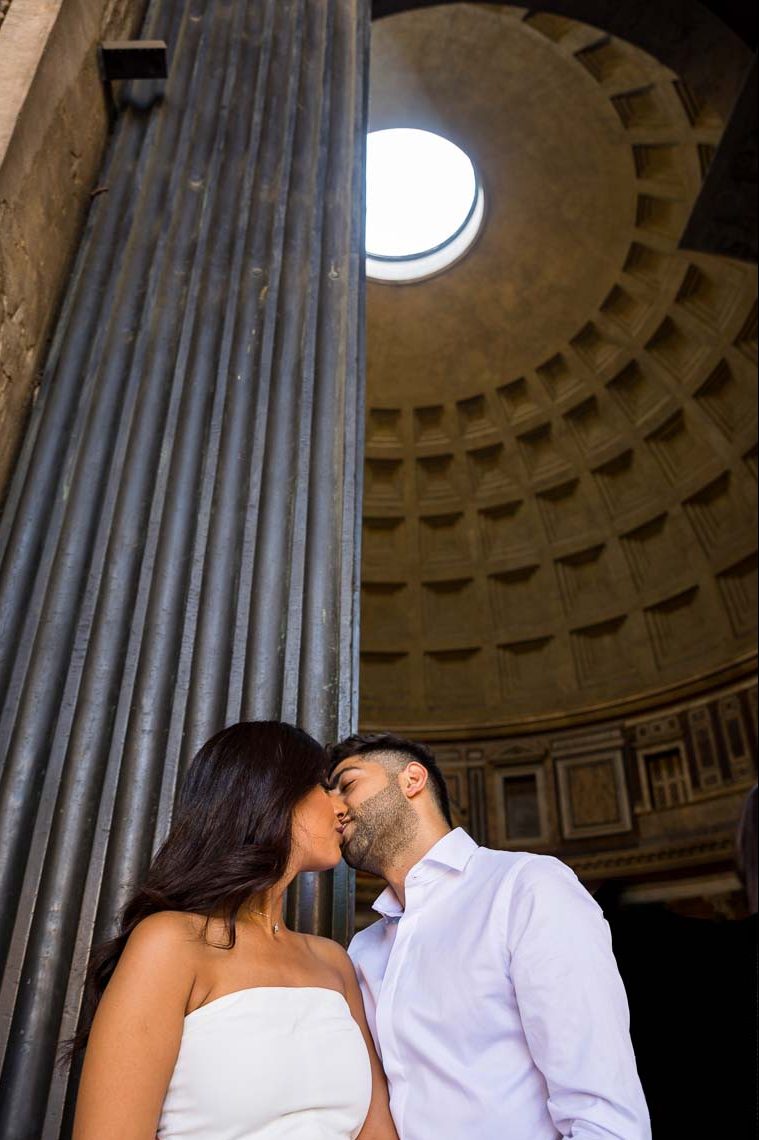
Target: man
489 982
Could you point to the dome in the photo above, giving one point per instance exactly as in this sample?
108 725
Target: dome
560 477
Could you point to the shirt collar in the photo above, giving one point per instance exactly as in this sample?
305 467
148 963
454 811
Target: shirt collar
453 851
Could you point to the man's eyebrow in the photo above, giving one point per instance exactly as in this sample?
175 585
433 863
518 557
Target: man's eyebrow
335 779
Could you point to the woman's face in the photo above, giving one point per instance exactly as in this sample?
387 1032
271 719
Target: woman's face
317 830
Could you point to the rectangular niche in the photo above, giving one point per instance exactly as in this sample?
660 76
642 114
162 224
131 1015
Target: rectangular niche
431 426
728 400
711 297
680 353
657 215
638 394
625 311
641 107
664 777
383 427
593 795
384 542
559 379
518 597
475 420
698 114
443 539
738 587
453 680
595 349
605 61
626 482
477 800
526 666
646 264
505 530
450 608
718 515
487 472
583 578
677 629
704 746
541 455
385 681
436 478
600 652
385 611
521 806
552 27
517 401
658 162
735 731
746 340
679 452
592 430
383 482
653 550
566 514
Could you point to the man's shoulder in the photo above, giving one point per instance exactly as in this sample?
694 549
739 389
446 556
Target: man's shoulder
504 864
508 871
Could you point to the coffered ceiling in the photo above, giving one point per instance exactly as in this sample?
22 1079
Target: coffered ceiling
561 432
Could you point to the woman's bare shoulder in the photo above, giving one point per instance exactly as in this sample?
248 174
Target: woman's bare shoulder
329 951
165 933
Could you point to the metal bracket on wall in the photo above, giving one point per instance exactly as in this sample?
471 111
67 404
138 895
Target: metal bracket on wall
133 59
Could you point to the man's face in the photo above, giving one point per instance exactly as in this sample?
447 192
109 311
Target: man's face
379 820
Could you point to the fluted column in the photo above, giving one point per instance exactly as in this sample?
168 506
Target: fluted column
180 543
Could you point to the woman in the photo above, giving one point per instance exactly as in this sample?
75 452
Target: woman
207 1017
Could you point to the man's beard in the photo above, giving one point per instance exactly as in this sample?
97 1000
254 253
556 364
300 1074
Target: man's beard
383 827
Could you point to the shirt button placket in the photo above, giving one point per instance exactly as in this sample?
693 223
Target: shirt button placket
388 1015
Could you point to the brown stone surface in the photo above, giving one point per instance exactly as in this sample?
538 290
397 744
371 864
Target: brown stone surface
646 802
561 432
53 127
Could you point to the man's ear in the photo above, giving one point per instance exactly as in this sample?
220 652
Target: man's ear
414 778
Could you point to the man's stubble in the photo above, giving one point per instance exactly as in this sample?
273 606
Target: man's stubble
383 827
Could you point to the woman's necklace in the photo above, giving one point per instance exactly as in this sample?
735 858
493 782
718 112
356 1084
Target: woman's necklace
275 925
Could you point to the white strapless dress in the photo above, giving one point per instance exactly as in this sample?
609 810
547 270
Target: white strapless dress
270 1063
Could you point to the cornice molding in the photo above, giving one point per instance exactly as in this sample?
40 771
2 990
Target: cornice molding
744 669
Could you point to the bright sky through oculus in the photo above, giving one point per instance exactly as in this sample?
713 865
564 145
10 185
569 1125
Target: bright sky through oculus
420 189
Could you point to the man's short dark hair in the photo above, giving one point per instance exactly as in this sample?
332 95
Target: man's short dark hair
366 743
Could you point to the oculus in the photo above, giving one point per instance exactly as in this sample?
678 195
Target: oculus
424 204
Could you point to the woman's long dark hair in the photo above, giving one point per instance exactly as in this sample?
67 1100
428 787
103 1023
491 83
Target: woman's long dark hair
230 838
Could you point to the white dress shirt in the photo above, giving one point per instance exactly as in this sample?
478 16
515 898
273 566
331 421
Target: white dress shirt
495 1002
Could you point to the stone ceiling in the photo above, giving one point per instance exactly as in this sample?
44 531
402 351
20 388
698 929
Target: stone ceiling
560 478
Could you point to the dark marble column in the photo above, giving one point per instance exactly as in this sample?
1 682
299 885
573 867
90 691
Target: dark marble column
179 549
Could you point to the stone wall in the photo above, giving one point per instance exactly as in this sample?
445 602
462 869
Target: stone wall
649 801
53 129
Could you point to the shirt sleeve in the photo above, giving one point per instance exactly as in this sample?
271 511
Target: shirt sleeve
573 1005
